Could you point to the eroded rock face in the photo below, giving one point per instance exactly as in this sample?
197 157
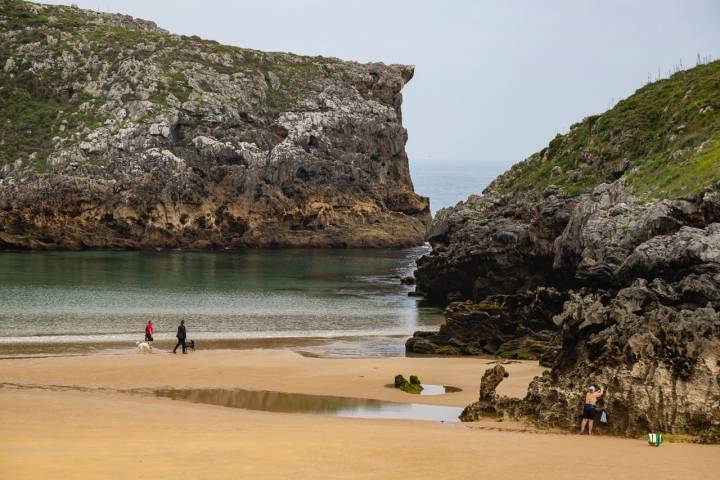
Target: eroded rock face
657 354
162 141
512 326
493 244
630 300
618 217
487 404
607 225
654 343
488 399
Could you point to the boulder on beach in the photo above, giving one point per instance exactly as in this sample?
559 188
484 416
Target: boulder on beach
412 386
486 404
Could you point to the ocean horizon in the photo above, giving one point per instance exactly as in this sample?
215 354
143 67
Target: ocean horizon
448 182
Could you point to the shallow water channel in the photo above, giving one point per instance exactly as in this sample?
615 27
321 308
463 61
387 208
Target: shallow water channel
318 404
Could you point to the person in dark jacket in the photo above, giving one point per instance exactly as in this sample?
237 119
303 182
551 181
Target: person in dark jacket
181 336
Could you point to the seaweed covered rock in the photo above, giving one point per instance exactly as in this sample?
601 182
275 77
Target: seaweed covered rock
412 386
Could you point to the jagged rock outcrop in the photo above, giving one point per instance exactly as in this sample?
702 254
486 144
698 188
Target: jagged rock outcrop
513 326
653 345
619 219
492 244
121 135
634 307
487 401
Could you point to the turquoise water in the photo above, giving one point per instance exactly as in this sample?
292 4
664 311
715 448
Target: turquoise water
109 296
61 298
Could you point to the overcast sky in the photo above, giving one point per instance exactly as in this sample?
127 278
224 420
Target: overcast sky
495 80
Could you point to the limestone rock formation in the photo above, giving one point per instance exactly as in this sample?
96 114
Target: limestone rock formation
633 304
490 381
513 326
494 244
653 344
121 135
488 399
600 256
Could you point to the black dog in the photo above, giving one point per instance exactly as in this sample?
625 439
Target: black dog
190 345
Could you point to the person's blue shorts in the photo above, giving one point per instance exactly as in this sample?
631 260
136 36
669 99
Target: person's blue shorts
589 412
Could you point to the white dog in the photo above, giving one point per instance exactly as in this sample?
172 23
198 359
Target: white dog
143 347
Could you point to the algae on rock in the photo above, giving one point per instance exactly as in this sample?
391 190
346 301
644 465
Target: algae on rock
411 386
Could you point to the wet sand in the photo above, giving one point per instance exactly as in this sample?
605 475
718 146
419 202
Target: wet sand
98 433
339 346
20 349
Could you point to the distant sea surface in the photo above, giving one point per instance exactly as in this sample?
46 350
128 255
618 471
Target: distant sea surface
449 182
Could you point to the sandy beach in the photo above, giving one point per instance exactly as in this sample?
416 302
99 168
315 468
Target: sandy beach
65 418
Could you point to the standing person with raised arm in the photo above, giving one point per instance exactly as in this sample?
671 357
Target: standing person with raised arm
589 408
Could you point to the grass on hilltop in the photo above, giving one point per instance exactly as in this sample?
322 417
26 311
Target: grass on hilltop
667 133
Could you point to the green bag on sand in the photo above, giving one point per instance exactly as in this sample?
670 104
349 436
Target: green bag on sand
654 439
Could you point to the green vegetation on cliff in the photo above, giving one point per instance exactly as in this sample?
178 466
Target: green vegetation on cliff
63 70
119 134
664 139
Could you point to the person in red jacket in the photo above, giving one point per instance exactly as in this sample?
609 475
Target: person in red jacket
149 331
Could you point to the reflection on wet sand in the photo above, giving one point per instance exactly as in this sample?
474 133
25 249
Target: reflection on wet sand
318 404
430 389
38 349
338 347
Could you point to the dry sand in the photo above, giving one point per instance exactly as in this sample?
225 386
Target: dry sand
47 433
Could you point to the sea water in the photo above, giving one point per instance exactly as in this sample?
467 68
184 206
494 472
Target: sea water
101 297
110 296
448 182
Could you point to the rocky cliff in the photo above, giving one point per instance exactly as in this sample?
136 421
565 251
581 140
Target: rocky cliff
600 255
117 134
